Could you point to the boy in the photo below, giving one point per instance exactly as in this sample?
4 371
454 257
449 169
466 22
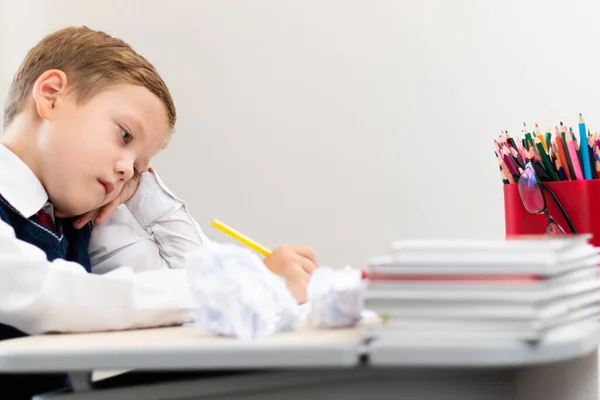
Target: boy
84 116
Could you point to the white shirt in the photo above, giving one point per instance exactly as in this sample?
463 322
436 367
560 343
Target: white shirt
137 257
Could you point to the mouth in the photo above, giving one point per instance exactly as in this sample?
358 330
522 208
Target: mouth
109 187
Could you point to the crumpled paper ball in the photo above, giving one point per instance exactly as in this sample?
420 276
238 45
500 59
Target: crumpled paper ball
237 295
336 297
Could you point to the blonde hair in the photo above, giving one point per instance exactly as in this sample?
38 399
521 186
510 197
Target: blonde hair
92 61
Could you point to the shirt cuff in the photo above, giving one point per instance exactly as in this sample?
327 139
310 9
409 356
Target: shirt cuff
152 200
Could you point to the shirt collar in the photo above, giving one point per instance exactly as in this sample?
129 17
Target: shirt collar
19 185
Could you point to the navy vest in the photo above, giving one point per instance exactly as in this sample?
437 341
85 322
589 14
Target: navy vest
67 243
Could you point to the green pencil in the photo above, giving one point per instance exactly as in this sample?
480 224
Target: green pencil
529 140
546 160
548 140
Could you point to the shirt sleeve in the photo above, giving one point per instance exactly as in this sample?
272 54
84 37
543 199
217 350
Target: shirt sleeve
38 296
152 231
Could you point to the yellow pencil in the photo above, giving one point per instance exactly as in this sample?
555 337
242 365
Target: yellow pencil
240 237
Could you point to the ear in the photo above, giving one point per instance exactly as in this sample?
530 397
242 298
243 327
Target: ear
47 89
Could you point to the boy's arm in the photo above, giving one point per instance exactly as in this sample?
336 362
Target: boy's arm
156 231
39 296
153 230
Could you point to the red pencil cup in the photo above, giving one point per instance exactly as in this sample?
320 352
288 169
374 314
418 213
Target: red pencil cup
580 199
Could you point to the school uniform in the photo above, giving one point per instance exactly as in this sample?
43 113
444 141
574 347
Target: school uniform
125 273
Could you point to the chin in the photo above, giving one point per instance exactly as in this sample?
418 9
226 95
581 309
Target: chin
68 209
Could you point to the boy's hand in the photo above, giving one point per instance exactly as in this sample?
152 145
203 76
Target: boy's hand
294 264
99 215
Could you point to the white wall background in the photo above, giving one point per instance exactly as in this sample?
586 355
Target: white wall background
344 124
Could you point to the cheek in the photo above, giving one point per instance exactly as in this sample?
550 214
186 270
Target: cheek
96 153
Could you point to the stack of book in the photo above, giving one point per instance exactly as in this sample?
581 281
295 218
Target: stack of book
521 288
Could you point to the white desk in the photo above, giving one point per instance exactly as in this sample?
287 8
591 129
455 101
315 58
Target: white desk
319 365
179 348
562 367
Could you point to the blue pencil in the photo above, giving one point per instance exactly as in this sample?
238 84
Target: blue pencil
587 171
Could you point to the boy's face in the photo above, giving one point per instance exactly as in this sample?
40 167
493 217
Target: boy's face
89 151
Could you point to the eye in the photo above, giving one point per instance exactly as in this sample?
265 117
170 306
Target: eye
126 136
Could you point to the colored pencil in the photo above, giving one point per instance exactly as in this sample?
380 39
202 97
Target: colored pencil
564 156
546 160
560 151
587 172
574 158
548 138
240 237
560 170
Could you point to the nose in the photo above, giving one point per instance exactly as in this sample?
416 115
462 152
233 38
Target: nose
124 169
